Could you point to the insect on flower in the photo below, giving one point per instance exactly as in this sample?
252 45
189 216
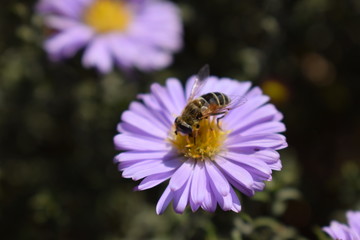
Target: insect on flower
235 148
205 106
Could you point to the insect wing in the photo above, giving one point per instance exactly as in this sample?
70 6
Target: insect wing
236 101
199 82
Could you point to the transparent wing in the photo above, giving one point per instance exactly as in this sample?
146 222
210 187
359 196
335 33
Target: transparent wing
236 101
199 82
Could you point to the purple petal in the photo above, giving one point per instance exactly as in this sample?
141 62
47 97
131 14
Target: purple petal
98 55
150 101
338 231
209 203
270 157
154 170
258 186
354 221
225 202
239 113
150 26
68 8
277 166
153 116
210 85
268 127
133 156
245 190
176 93
129 170
256 141
251 164
282 146
61 23
194 206
267 155
188 86
153 59
181 197
164 201
181 175
84 3
232 87
215 175
141 125
160 112
154 180
67 43
240 124
235 172
124 50
128 52
162 96
278 116
150 167
254 92
141 143
198 183
236 206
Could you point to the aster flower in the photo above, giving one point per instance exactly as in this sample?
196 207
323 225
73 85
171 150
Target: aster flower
343 232
240 154
124 33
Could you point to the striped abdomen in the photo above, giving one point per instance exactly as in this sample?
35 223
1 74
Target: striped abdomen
216 98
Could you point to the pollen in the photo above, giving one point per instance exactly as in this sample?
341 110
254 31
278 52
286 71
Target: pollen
205 143
108 16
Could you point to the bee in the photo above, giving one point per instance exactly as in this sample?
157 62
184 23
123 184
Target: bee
204 106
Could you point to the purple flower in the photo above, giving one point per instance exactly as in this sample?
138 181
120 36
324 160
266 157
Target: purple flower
340 231
204 173
125 33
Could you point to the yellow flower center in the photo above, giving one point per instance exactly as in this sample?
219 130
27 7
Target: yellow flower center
205 144
108 15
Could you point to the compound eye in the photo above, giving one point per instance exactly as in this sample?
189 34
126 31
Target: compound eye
185 129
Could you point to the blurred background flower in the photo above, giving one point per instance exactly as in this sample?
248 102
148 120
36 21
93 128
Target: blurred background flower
57 178
341 231
122 33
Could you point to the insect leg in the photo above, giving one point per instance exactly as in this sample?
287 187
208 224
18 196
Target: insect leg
218 119
195 135
189 144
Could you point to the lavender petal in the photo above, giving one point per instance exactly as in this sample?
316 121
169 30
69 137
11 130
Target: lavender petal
164 201
198 183
141 143
97 54
215 175
154 180
181 197
181 175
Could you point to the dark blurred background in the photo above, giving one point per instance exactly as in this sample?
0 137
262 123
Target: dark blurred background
57 121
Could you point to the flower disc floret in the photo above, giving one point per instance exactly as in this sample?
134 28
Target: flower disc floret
205 144
108 16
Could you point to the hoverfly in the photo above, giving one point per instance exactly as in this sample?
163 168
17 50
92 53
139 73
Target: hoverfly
204 106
